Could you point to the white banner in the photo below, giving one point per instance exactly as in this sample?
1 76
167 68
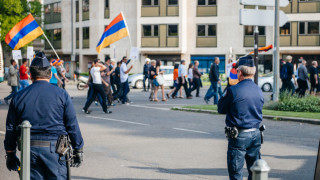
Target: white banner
16 54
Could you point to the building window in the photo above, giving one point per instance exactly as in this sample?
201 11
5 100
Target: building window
172 2
207 30
52 13
106 6
77 11
207 2
309 28
150 2
77 38
150 30
249 30
85 10
85 37
172 30
285 30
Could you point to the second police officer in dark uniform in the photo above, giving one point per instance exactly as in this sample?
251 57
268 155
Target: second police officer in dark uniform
242 103
50 111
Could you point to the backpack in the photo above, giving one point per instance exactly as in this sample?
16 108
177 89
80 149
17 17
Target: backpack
284 72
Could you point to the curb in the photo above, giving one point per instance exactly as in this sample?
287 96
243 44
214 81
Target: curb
276 118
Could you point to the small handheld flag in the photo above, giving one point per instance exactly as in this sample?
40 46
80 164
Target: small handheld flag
24 32
115 31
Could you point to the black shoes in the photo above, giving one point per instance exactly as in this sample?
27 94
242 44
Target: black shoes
86 111
107 112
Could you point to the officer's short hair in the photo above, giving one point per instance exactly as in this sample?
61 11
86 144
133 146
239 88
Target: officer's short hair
40 72
247 71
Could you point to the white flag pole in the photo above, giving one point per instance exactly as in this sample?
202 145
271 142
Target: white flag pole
125 22
51 45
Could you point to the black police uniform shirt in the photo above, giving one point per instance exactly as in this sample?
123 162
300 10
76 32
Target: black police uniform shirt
243 105
49 110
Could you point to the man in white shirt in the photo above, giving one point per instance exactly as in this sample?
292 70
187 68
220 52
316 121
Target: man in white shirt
97 88
182 81
124 79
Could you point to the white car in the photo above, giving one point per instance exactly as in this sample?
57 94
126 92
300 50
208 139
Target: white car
266 82
136 80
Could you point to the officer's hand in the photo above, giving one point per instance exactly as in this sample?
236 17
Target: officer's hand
78 157
13 162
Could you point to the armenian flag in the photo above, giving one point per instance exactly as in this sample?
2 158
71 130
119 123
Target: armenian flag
265 49
233 76
115 31
24 32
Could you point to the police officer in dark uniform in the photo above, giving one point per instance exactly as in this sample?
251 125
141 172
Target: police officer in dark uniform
50 111
243 105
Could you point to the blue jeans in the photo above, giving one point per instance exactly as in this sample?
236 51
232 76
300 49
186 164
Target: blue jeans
146 77
14 91
213 91
126 90
45 163
24 84
245 147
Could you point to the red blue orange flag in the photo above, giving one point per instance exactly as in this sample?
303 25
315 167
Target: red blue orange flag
24 32
115 31
233 76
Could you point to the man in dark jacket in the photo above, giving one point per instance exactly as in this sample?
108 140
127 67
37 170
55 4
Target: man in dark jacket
215 87
146 75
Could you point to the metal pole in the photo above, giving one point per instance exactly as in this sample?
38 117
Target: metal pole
256 42
51 45
276 66
260 170
72 51
25 151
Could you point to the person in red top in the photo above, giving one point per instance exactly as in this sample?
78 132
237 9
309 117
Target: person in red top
23 71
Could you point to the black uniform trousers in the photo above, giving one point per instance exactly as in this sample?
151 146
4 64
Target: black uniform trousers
97 90
185 86
196 86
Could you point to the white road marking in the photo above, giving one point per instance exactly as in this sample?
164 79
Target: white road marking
2 132
189 130
116 120
149 107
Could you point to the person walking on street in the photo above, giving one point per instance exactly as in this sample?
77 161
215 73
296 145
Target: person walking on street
215 88
113 74
61 74
175 82
243 117
97 87
286 75
23 71
119 90
159 82
302 78
196 78
106 80
55 78
124 79
182 81
50 111
314 79
146 76
190 76
152 74
13 80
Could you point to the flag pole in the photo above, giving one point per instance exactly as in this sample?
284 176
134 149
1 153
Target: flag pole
125 22
51 45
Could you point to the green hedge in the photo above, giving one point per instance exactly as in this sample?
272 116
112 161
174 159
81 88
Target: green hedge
288 102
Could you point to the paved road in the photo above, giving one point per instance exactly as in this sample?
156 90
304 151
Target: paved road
147 140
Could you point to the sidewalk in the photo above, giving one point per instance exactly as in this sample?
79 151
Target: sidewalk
276 118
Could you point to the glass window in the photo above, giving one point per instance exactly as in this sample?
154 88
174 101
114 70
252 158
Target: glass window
313 27
47 9
77 34
172 2
57 34
85 5
301 28
201 2
156 2
172 30
285 30
107 4
86 33
57 8
146 2
201 30
212 2
248 30
155 30
77 7
146 30
262 30
212 30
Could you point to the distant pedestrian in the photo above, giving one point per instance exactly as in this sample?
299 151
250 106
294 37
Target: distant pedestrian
196 78
175 82
182 81
61 74
215 87
158 82
13 80
242 104
106 80
24 70
119 90
54 78
286 75
112 76
97 87
314 79
302 78
124 71
190 76
146 76
152 74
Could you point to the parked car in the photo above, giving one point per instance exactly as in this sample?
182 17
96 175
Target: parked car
136 80
266 82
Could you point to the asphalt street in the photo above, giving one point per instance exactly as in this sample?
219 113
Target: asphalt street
147 140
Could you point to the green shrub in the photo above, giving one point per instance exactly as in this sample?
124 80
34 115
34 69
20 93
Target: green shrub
84 74
288 102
